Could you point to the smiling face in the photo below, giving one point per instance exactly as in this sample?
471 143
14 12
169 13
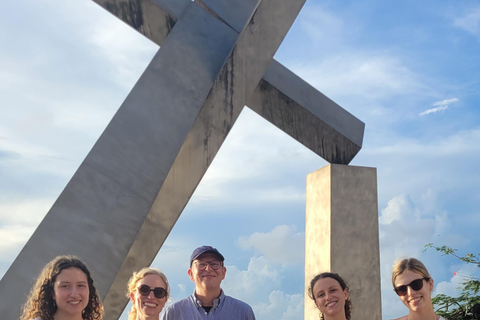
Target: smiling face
71 293
149 305
329 297
415 301
206 279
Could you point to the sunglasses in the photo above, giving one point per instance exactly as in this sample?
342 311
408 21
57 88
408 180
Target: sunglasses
415 285
159 292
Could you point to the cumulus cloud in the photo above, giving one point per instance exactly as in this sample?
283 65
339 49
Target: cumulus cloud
405 228
280 306
460 275
439 106
253 284
283 244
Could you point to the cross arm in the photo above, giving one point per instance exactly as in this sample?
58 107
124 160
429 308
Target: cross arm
281 97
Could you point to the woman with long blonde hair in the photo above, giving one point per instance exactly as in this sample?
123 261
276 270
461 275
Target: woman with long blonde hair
148 290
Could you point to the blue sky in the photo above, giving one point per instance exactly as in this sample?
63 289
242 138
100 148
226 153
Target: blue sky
408 69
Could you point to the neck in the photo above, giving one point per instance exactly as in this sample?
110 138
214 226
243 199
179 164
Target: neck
338 316
144 317
425 315
207 296
62 316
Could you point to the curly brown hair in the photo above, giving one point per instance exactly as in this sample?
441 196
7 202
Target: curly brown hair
40 302
343 285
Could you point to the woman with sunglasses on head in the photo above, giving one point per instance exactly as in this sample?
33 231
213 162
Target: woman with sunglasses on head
148 290
413 284
64 290
330 294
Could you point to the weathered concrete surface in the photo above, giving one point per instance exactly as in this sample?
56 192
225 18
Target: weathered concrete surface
341 235
146 165
281 97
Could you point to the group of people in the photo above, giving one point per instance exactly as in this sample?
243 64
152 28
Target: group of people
64 290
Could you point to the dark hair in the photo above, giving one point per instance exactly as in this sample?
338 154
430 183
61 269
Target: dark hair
343 285
40 302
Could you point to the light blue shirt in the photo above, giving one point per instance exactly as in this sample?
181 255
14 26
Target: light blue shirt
224 308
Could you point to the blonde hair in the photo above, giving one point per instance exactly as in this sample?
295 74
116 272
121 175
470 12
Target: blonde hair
132 286
409 264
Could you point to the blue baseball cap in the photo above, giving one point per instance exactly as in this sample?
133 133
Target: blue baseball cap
204 249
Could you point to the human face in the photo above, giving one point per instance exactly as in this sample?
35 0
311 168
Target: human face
206 279
329 297
149 306
415 300
71 293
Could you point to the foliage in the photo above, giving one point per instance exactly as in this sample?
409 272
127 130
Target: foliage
466 306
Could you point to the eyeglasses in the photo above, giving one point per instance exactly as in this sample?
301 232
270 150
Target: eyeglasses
159 292
415 285
202 265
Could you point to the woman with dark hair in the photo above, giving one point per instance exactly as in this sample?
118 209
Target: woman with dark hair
330 294
64 290
148 290
414 285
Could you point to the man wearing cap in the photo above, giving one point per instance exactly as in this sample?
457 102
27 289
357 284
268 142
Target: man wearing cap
208 301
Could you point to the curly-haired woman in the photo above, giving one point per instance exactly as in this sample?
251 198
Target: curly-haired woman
64 290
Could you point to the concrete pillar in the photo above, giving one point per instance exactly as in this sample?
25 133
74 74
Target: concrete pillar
341 235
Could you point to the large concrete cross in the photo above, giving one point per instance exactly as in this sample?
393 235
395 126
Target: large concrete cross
216 57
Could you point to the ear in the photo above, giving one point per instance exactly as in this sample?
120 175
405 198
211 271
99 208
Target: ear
132 297
190 274
224 272
431 284
345 292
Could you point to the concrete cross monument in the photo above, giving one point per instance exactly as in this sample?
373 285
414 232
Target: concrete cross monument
216 56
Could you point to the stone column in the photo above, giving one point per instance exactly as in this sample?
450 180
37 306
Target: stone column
342 235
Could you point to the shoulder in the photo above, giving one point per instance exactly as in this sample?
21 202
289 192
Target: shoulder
234 301
188 301
239 307
182 309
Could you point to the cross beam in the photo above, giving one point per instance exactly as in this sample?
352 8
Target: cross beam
281 97
121 204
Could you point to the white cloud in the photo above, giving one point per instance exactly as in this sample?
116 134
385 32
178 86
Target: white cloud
254 283
125 51
460 142
320 24
433 110
451 287
445 102
439 106
283 244
280 306
360 81
18 221
470 22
